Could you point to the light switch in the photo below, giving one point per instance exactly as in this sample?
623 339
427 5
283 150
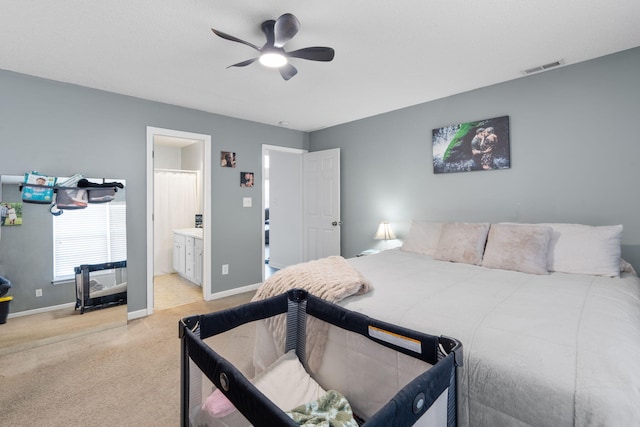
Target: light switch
246 202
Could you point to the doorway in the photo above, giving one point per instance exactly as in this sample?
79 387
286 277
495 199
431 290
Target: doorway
282 197
167 284
301 199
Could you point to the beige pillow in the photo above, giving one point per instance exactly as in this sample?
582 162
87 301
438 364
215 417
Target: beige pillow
521 248
462 242
423 237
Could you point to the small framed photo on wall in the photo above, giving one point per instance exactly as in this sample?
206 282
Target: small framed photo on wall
227 159
11 213
246 179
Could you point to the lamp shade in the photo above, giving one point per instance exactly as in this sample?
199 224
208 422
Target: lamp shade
384 232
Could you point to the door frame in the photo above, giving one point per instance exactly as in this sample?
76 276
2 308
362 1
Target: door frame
206 218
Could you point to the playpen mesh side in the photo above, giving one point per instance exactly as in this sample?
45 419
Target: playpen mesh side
425 352
204 370
395 409
201 391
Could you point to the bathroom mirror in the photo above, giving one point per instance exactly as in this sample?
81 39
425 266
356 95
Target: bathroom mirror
33 252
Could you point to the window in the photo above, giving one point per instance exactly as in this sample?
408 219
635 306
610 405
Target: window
93 235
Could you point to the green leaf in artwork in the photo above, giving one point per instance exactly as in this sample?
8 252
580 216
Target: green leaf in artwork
458 139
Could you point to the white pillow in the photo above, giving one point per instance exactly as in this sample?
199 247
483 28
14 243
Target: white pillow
585 249
286 383
462 242
423 237
521 248
625 267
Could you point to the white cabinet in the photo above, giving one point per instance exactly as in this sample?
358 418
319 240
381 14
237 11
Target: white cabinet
189 258
178 253
187 254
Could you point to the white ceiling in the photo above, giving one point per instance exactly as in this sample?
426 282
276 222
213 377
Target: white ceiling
389 54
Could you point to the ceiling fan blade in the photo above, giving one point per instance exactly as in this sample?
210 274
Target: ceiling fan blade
285 28
234 39
316 53
268 30
243 63
287 71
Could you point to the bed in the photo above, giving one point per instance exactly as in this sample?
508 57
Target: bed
548 314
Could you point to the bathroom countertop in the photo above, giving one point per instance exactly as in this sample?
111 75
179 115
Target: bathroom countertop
191 232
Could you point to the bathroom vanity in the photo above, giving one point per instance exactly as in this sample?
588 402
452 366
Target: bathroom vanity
187 254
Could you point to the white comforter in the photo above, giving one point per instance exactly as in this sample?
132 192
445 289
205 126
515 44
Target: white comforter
553 350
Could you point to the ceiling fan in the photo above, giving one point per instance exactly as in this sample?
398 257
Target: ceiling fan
272 54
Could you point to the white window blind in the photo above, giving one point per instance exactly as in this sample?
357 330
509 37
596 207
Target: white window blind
93 235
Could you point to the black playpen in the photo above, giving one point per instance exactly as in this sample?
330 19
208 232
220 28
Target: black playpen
427 399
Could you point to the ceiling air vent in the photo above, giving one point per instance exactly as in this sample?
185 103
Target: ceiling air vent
543 67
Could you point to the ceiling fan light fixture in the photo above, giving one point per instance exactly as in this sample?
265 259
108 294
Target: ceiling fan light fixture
272 54
273 59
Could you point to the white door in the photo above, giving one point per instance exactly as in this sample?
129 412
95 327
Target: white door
321 204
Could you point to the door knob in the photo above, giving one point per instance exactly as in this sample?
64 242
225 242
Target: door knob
336 223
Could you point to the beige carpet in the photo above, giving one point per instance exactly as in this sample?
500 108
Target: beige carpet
24 332
124 376
35 330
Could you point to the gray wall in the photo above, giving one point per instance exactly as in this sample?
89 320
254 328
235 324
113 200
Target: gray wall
575 148
60 129
27 251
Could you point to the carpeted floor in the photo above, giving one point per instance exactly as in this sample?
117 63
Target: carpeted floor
35 330
24 332
124 376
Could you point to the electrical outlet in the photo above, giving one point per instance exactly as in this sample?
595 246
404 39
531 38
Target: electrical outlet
38 292
225 269
247 202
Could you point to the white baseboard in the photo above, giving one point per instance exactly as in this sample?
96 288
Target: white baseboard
42 310
235 291
276 265
131 315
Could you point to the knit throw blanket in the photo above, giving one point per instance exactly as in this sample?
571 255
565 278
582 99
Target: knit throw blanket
331 279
